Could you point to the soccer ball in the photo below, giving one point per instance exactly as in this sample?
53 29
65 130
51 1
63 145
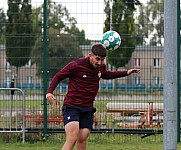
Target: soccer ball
111 40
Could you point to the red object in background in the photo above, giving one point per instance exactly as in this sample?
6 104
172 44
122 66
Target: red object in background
57 103
28 116
57 119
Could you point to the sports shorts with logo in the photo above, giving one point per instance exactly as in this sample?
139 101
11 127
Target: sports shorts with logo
84 116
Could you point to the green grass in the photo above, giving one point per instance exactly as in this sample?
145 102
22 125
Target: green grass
90 146
104 141
96 141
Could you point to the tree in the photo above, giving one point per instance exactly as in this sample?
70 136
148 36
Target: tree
2 22
2 26
19 29
123 23
59 18
63 36
151 22
62 48
56 14
80 35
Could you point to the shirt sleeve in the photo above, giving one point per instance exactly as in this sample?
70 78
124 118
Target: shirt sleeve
66 72
106 74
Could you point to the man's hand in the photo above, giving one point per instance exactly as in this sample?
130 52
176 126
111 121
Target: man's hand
130 71
50 97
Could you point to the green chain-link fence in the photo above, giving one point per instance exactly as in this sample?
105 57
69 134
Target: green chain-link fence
39 38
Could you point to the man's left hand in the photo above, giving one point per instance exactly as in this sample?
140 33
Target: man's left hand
130 71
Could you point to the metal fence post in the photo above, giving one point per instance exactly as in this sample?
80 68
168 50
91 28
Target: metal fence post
170 131
178 69
45 65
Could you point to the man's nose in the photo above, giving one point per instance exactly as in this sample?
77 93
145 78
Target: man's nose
99 62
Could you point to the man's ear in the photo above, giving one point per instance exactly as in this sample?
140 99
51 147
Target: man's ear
90 54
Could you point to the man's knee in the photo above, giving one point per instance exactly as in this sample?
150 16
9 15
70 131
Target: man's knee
83 136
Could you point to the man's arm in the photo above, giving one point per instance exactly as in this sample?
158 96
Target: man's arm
58 77
117 74
130 71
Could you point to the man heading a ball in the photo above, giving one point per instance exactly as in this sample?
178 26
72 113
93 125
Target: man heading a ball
78 110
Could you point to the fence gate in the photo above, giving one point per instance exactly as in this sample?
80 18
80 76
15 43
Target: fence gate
12 111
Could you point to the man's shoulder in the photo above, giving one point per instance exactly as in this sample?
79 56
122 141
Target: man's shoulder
80 61
77 62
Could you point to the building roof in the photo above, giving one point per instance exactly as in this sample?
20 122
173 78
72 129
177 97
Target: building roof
149 48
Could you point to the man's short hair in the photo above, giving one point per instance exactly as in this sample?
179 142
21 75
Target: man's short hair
99 50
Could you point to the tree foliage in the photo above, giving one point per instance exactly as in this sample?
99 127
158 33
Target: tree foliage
80 35
19 39
151 22
2 22
61 48
123 23
63 39
58 17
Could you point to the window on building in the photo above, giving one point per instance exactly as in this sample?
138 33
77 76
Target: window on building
137 62
8 81
156 62
7 66
156 80
137 80
29 79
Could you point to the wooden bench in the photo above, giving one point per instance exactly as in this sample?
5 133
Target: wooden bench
146 111
133 108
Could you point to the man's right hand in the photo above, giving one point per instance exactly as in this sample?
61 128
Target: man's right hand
50 97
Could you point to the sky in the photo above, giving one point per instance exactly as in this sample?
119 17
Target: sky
89 14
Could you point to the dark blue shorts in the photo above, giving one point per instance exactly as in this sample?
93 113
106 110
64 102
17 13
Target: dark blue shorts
84 116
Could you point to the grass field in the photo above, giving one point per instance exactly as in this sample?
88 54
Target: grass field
90 146
95 142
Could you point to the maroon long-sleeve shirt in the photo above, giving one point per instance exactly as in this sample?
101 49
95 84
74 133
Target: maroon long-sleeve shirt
83 81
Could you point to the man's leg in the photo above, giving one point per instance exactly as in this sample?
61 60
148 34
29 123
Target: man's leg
82 139
72 131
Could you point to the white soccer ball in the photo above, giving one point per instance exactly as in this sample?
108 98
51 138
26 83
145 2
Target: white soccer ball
111 40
